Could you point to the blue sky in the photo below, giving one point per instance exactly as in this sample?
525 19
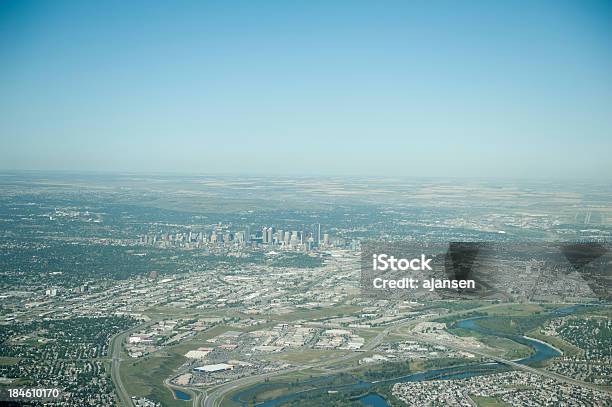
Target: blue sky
412 88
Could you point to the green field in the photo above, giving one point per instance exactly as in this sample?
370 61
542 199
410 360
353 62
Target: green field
305 356
506 348
8 361
146 377
290 383
515 310
368 333
566 347
482 401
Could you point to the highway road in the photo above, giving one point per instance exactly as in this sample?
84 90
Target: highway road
116 342
115 347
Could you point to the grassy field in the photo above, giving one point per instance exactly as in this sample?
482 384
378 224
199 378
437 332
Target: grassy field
507 348
7 361
566 347
146 377
515 310
278 386
482 401
368 333
305 356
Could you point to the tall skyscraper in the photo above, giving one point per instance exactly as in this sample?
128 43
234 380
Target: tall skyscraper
315 232
264 235
294 239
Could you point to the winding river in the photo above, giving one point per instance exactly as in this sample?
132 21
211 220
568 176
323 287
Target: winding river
541 352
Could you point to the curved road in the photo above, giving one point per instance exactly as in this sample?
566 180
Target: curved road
115 364
115 347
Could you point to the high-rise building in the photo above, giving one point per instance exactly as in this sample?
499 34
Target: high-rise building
315 233
264 235
294 239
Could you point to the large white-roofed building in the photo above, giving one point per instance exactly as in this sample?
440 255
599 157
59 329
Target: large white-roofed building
219 367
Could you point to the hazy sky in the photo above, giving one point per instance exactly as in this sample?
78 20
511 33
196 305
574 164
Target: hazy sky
518 89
